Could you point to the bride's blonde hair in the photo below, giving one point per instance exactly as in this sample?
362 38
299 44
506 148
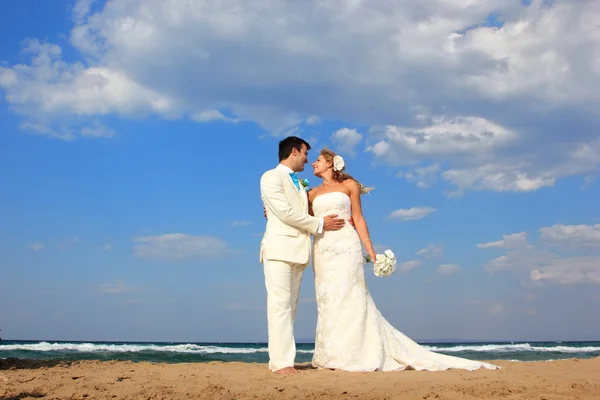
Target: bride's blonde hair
341 176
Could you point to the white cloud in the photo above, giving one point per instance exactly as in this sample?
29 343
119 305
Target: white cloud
536 264
532 53
573 237
211 116
108 246
64 100
408 265
410 214
97 130
567 271
500 177
81 9
449 269
241 223
346 139
459 136
179 246
587 181
115 288
513 241
423 176
489 104
63 133
36 246
480 155
312 120
431 251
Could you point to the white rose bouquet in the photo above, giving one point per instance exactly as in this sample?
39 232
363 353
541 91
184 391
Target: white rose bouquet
384 265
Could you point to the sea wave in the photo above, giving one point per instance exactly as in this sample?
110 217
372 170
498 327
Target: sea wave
190 348
133 348
517 347
128 348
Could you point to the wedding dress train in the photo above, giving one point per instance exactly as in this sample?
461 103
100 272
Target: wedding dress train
352 335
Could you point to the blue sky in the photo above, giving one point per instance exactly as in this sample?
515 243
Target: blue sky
133 137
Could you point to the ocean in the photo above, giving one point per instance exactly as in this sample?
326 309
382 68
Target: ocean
257 352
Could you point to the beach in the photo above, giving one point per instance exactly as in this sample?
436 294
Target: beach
29 379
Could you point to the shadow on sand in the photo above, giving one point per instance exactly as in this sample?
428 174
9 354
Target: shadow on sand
17 363
24 395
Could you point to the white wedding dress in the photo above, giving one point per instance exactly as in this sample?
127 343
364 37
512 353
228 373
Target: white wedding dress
352 335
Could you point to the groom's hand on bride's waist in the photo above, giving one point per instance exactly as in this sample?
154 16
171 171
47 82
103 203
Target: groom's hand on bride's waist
333 223
330 222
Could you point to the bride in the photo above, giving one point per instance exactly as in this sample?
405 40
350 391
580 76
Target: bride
352 335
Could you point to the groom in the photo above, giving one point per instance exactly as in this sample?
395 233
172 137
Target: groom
285 247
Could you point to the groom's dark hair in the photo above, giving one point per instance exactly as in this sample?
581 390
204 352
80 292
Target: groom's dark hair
289 143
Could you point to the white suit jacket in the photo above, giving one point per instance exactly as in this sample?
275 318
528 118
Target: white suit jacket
289 226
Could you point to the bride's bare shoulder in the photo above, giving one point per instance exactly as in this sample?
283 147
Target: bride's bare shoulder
312 193
351 185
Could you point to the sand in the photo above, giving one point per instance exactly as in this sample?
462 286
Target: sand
565 379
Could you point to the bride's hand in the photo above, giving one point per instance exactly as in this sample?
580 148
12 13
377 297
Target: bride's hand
372 254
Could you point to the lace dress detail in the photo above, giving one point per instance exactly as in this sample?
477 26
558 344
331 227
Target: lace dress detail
351 334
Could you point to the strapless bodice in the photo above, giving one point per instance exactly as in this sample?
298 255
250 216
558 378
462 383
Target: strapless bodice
332 203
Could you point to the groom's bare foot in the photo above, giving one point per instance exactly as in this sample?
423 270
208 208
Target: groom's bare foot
287 371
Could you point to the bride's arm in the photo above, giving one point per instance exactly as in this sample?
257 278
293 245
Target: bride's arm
360 222
310 198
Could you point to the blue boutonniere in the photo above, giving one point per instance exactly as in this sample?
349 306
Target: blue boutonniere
304 182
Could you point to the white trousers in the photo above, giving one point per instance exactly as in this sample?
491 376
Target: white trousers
282 281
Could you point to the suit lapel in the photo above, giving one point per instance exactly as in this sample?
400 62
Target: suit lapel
286 177
304 195
301 193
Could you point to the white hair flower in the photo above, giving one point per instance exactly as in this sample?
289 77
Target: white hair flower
338 163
